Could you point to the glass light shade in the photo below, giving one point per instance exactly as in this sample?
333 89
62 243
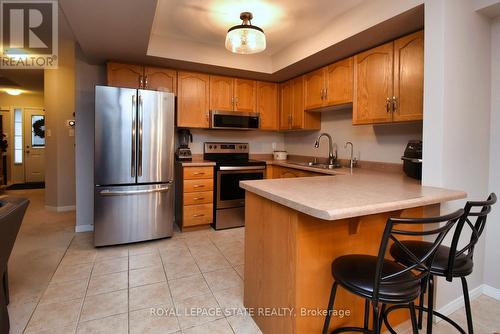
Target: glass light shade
13 91
245 39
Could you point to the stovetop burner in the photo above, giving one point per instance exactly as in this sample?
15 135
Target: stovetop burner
229 154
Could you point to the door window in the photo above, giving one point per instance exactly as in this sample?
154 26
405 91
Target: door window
18 136
37 131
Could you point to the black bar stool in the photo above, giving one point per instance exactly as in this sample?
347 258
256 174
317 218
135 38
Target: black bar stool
384 281
450 262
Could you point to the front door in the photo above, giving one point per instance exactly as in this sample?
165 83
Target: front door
34 134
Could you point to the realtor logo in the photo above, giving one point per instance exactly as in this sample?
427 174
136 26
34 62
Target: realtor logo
28 34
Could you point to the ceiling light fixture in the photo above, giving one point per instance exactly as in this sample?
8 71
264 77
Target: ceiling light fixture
245 38
13 91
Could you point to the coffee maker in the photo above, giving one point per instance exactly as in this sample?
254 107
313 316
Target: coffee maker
183 152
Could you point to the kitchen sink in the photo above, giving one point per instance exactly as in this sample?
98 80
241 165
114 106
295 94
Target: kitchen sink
315 164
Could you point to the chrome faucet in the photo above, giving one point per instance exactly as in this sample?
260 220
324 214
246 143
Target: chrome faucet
331 158
352 160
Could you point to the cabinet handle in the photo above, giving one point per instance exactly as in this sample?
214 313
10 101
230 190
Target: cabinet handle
198 186
199 173
199 215
198 198
146 81
326 93
388 105
394 104
322 93
141 81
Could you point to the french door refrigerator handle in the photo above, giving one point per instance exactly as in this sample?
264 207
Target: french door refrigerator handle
132 160
133 192
139 163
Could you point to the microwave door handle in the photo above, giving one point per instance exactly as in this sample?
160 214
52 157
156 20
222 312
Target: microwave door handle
132 160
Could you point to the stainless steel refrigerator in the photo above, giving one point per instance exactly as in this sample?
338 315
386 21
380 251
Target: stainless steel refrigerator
133 165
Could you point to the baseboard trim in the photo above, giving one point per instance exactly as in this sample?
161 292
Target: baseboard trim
492 292
84 228
61 208
456 304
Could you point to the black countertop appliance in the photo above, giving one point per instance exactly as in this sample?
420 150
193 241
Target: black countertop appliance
412 159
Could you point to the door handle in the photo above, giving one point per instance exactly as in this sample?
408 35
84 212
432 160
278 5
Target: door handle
133 192
132 160
139 163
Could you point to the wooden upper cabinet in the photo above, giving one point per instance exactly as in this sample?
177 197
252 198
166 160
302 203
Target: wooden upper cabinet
298 114
193 100
329 86
314 89
158 78
268 105
125 75
292 113
286 105
221 93
244 95
373 85
339 82
409 77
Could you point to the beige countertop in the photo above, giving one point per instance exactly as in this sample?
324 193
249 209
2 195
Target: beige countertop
348 195
197 162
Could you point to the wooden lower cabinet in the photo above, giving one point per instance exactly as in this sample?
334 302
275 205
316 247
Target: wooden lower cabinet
279 172
194 196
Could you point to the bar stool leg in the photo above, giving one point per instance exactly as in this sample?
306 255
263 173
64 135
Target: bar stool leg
468 311
430 304
376 329
421 304
367 313
413 317
330 308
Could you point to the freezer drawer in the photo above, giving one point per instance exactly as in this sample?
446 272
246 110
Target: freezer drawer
124 214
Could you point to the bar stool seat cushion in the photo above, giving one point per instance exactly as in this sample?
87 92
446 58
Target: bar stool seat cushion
463 265
357 274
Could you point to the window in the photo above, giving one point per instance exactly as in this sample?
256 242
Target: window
37 131
18 136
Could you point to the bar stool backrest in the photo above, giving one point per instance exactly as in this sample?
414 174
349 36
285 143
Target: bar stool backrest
479 210
422 263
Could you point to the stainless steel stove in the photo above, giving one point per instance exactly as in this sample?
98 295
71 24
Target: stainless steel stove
232 166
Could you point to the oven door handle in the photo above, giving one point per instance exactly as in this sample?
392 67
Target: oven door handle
242 168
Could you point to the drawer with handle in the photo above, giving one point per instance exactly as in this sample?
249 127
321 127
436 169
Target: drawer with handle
193 173
198 185
202 197
197 214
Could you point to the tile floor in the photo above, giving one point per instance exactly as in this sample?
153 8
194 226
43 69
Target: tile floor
113 289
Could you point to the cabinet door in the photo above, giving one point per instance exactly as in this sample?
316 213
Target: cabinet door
125 75
286 105
267 105
245 95
192 100
409 77
298 103
373 80
314 85
339 77
158 78
221 93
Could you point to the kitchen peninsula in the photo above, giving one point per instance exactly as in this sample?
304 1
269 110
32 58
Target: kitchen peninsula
296 227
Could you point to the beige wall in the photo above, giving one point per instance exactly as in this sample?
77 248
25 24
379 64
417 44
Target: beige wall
59 90
385 143
456 126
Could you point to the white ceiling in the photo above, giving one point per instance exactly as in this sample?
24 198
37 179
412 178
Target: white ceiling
283 21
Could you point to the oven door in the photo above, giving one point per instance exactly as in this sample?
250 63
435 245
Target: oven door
229 193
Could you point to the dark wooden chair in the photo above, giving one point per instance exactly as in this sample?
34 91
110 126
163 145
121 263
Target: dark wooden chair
11 216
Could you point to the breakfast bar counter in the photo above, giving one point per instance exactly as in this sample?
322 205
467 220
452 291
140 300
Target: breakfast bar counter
296 227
